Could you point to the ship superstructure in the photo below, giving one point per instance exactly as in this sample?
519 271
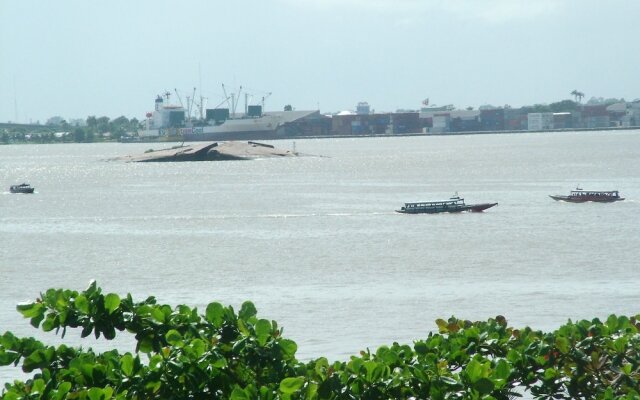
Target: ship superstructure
221 123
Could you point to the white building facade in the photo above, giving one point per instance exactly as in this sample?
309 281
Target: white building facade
540 121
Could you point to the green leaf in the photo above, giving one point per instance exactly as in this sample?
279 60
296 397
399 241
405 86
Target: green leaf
242 327
63 389
291 385
35 360
389 357
421 348
442 325
321 367
9 340
82 304
145 345
218 361
49 323
483 385
8 357
247 311
35 321
620 344
355 364
562 343
93 288
157 314
312 391
38 386
154 386
551 373
239 394
612 323
215 314
95 393
370 367
111 302
474 371
126 364
289 347
155 362
109 331
375 371
513 355
263 331
30 310
174 338
10 396
503 370
199 347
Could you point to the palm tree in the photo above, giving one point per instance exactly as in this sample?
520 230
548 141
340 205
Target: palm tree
577 95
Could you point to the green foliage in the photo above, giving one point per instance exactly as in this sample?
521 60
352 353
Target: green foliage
182 354
563 106
57 130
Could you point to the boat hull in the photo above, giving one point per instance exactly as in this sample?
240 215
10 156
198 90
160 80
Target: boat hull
22 190
226 136
585 199
458 209
481 207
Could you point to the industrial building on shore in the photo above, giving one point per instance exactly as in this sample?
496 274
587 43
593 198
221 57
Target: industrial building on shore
443 120
255 124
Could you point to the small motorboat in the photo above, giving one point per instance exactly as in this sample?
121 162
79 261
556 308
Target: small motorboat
21 188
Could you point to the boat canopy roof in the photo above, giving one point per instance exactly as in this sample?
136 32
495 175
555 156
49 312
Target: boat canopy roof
452 201
581 192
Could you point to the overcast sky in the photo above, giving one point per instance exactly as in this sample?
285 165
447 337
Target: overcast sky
111 58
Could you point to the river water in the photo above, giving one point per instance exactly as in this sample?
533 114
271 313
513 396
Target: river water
314 241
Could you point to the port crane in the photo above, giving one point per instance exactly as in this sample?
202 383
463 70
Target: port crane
234 100
191 103
264 98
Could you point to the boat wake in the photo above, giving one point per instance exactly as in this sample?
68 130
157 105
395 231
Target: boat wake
150 218
310 215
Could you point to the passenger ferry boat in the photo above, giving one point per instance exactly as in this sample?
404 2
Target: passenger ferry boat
582 196
454 204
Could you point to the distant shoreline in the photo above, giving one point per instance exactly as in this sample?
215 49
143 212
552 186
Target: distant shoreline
630 128
177 139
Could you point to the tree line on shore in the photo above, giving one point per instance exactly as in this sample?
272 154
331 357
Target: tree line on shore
58 130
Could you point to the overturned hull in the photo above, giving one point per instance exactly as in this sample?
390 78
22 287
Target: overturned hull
214 151
235 135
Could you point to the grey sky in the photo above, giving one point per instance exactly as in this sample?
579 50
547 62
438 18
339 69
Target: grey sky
80 58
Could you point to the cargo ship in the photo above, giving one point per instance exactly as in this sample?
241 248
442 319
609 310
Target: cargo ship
222 124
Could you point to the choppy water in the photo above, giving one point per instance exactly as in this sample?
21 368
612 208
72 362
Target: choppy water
314 241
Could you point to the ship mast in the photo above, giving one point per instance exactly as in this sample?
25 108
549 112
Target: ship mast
200 83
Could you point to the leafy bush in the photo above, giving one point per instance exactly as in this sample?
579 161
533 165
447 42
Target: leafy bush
220 354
